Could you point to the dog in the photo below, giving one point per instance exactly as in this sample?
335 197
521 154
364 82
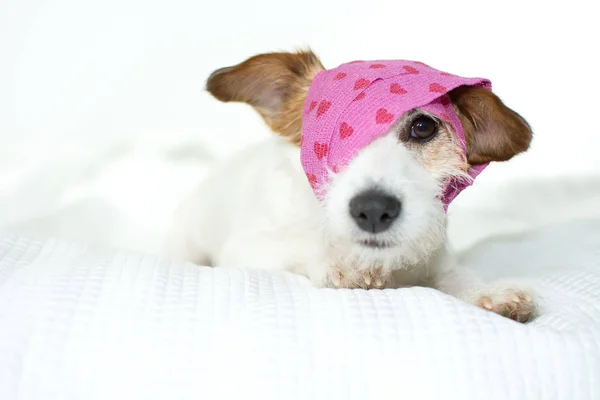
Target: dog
381 220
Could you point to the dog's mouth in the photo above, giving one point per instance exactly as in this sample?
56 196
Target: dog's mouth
375 244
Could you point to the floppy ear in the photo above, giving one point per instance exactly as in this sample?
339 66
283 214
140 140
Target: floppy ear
275 84
493 131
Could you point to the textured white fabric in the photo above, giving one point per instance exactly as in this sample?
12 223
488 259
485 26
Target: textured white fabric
78 322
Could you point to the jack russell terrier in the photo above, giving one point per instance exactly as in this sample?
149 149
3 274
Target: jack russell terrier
352 192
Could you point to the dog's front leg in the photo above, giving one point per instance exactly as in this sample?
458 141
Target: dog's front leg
505 298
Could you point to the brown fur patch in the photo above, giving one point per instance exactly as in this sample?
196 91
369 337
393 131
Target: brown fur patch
442 155
493 131
275 84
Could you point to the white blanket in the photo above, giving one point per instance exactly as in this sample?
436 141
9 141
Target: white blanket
77 322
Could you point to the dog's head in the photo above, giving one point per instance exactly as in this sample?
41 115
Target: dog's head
385 205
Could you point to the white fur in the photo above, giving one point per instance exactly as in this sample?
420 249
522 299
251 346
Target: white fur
258 211
254 211
387 165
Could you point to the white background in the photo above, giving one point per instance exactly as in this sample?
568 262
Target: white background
104 123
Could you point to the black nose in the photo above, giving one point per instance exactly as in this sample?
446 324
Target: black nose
374 211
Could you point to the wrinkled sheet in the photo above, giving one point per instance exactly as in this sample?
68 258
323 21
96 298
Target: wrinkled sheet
81 322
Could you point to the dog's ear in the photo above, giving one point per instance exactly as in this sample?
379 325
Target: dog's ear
275 84
493 131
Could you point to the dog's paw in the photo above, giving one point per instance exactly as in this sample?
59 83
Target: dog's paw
372 278
510 302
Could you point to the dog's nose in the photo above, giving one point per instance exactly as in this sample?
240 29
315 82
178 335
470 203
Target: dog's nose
374 211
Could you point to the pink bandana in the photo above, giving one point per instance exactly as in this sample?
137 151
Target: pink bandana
350 106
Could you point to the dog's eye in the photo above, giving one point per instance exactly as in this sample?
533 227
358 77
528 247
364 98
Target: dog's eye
423 128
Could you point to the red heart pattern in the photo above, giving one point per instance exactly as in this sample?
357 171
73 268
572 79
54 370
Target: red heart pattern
320 149
410 69
383 91
312 179
345 131
437 88
361 83
360 96
323 107
383 116
397 89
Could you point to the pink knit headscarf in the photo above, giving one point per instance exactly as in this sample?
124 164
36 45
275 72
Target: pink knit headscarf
350 106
